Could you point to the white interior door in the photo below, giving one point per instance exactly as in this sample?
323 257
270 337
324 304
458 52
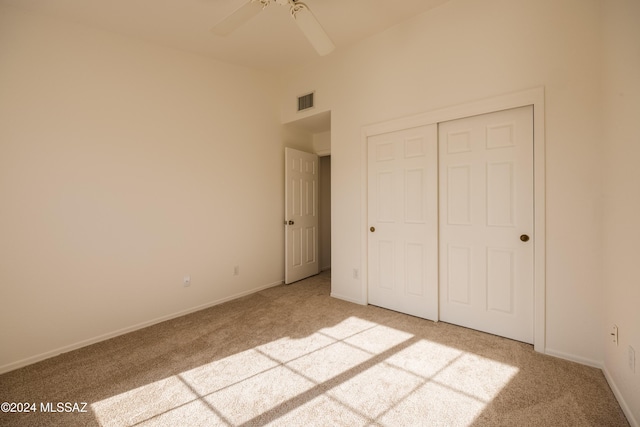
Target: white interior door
301 210
403 221
486 220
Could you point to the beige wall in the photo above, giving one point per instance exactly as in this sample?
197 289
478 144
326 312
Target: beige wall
461 52
123 167
621 148
322 143
465 51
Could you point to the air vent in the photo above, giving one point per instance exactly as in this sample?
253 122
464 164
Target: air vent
305 102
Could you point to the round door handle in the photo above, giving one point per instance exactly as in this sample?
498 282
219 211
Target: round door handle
291 222
524 238
372 229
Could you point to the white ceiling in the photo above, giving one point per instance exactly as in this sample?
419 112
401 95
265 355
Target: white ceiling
271 41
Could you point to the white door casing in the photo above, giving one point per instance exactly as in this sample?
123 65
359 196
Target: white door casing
403 221
301 215
486 223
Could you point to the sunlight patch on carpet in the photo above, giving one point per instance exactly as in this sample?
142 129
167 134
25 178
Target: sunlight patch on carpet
143 403
355 372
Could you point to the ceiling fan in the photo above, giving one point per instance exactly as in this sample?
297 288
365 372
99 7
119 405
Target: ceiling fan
300 12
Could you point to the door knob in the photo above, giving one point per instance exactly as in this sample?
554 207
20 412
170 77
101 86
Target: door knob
524 238
291 222
372 229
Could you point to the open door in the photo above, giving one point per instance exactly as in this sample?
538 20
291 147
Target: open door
301 215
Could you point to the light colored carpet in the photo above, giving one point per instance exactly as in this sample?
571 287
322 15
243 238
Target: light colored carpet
292 355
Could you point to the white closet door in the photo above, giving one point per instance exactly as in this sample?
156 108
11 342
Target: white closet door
403 221
486 222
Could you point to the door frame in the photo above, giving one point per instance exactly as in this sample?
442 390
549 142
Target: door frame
534 97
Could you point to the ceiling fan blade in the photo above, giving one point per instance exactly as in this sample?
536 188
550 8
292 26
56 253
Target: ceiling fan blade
312 30
237 18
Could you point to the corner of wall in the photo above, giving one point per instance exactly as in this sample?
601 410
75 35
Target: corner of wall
620 397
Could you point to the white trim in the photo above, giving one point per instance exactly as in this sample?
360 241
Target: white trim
324 153
623 403
612 384
364 202
348 299
533 97
37 358
573 358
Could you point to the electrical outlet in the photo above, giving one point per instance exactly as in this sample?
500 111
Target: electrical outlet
614 334
186 281
632 359
355 273
236 270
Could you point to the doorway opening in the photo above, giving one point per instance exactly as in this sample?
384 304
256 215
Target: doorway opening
312 135
324 213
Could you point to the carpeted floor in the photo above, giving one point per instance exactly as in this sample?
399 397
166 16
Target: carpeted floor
292 355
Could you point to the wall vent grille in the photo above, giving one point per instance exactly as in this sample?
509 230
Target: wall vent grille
305 102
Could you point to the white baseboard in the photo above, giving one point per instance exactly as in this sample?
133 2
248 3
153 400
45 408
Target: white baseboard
573 358
623 403
342 297
600 365
46 355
